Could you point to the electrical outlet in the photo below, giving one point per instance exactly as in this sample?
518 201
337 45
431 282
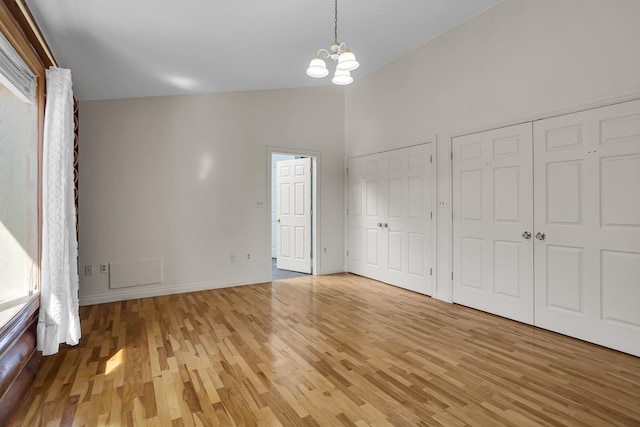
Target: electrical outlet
442 204
325 250
248 256
259 205
232 257
103 268
88 270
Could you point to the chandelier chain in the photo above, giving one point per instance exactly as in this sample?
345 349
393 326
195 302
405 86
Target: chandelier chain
335 22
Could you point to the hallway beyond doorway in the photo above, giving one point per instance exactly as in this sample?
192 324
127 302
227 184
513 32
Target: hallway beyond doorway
277 274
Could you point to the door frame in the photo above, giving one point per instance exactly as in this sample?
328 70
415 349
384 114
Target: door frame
315 192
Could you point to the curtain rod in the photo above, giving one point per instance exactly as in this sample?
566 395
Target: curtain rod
36 30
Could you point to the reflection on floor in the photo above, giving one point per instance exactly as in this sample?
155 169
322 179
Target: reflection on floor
277 274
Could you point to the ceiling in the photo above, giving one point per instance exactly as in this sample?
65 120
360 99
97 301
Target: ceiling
137 48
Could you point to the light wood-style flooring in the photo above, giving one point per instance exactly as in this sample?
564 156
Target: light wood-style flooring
328 351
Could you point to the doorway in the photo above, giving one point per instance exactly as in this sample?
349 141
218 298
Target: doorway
292 202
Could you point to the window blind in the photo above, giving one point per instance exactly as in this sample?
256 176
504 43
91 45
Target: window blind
16 72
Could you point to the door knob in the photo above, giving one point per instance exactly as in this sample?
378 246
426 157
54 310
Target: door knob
386 225
278 219
540 236
526 235
380 224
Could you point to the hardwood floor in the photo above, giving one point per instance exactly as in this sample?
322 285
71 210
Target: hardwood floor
332 350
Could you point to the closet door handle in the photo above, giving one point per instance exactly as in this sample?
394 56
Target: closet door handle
380 224
540 236
526 235
386 225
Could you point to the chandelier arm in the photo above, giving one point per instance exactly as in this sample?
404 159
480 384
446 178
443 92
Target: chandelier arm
324 52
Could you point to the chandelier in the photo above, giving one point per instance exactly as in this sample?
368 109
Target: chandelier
338 52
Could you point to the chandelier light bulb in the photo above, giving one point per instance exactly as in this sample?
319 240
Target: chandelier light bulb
347 61
342 77
317 68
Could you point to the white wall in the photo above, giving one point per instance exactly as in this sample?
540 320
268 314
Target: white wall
179 178
518 61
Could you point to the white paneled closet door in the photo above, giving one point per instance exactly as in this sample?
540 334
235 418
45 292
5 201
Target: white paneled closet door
366 208
587 211
356 190
407 174
493 222
389 218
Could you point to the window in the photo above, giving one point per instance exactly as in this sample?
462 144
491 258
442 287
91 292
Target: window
19 230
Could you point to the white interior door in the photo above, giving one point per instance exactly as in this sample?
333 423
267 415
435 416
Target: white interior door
358 217
493 214
408 217
293 195
275 158
587 204
366 216
389 217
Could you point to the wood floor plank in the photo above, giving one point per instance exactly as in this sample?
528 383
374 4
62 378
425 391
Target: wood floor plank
324 351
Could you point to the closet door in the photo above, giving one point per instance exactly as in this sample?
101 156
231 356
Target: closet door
356 191
587 211
367 208
493 222
407 174
389 217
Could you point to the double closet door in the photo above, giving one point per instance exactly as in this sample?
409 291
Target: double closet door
389 217
573 265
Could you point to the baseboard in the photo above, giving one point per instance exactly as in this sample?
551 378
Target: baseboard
331 271
132 293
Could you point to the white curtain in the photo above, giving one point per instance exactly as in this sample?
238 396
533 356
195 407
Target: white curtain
59 319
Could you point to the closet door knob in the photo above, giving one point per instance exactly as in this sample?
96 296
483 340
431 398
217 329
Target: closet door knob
526 235
380 224
386 225
540 236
